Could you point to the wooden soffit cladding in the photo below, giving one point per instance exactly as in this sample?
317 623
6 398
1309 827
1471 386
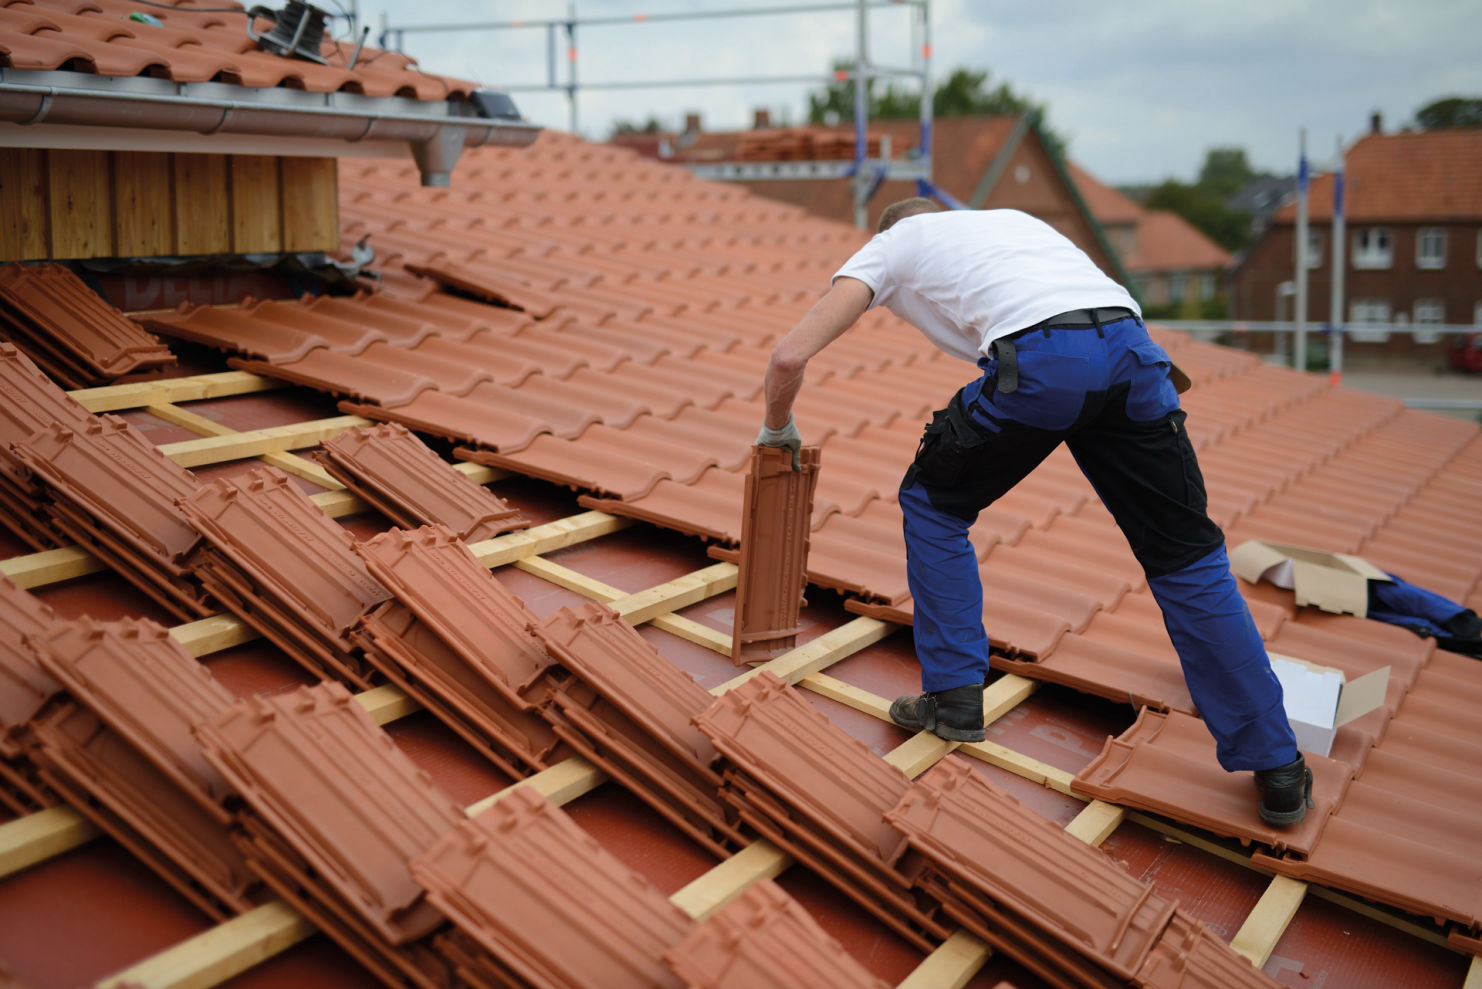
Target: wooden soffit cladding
67 204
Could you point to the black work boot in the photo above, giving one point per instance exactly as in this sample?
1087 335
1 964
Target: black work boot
955 714
1286 793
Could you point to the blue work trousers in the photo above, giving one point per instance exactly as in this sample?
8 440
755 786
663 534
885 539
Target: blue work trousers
1105 391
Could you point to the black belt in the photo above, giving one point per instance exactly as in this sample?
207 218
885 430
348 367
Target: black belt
1076 319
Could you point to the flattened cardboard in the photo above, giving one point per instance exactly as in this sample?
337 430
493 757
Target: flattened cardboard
1335 582
1318 701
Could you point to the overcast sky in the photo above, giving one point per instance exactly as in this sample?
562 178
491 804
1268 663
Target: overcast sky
1140 89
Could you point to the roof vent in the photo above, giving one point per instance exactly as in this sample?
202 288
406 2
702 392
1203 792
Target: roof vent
298 31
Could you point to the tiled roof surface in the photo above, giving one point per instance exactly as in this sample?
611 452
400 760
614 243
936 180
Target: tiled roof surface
208 44
635 311
1105 203
1424 175
1163 240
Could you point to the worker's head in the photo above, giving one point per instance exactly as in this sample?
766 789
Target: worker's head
896 212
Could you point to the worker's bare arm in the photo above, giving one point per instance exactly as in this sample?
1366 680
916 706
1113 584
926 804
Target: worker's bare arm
830 316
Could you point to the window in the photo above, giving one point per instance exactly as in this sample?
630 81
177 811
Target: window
1479 248
1429 312
1178 287
1368 312
1430 248
1371 248
1314 248
1477 314
1206 287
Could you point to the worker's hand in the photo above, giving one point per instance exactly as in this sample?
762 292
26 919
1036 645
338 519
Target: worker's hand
787 438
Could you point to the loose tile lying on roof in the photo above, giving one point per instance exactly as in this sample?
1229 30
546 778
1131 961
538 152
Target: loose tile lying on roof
1023 884
396 473
541 895
316 770
764 938
1165 763
631 712
774 553
283 567
819 794
69 330
115 493
1405 833
457 640
32 403
25 687
133 751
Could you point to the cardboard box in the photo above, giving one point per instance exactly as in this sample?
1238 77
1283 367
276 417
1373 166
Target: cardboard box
1333 582
1318 701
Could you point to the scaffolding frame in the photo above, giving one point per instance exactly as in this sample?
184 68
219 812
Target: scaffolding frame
866 173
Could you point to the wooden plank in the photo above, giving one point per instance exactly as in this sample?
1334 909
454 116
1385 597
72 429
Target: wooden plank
256 442
202 204
1474 974
212 634
37 837
919 753
256 217
539 539
25 219
952 965
1268 919
287 462
386 703
482 474
572 580
113 398
310 203
714 889
142 204
1096 821
80 206
221 952
692 631
50 566
817 654
338 504
560 784
679 593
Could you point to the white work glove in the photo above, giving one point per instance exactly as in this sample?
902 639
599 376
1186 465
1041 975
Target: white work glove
787 438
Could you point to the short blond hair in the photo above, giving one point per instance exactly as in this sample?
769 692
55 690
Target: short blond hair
896 212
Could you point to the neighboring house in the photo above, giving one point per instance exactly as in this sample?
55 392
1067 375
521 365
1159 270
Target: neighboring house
1175 267
1414 239
987 162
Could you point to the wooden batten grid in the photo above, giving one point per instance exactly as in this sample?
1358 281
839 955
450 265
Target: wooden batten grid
236 945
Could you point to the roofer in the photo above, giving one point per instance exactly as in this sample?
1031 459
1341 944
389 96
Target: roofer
1064 357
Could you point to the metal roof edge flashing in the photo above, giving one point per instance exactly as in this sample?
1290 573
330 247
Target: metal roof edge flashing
435 132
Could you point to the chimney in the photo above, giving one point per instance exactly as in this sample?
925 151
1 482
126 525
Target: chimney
1376 123
761 119
691 123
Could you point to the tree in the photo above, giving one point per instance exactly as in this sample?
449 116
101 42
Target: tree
1205 210
1226 171
1451 112
963 93
651 126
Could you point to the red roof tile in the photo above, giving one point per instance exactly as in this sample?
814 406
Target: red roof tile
1423 175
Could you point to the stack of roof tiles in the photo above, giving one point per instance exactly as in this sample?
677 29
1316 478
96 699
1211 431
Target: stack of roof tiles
77 337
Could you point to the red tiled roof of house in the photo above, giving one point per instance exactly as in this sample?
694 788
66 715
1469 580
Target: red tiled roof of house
1105 203
1425 175
196 42
1166 242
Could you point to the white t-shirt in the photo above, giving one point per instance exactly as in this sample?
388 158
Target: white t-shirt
966 277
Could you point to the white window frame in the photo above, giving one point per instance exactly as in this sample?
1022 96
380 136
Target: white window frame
1178 287
1429 312
1207 287
1366 312
1477 314
1434 238
1479 248
1373 248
